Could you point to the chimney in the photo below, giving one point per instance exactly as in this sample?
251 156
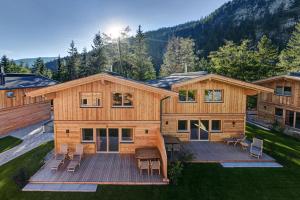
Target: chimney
2 76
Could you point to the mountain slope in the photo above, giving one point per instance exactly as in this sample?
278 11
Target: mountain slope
30 61
235 20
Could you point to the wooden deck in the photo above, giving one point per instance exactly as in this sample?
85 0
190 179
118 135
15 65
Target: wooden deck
217 152
115 169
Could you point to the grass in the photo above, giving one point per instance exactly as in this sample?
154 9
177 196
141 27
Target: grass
8 142
199 181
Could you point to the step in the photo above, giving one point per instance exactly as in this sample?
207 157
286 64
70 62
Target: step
60 187
251 164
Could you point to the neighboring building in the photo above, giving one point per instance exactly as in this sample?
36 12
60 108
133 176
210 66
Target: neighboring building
18 110
282 107
108 113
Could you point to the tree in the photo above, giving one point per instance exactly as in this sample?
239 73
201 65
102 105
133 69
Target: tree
60 74
142 67
97 58
236 61
204 65
179 57
73 62
267 56
39 67
5 63
85 66
290 56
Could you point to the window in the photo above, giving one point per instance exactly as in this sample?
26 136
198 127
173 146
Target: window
187 95
90 99
10 94
289 118
127 135
216 125
87 135
182 125
122 99
283 91
278 112
297 124
213 96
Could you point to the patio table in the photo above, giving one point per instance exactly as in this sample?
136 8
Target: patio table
147 153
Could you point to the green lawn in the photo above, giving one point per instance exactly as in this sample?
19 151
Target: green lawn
200 181
8 143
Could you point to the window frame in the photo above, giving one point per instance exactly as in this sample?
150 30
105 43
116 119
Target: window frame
95 95
127 141
213 96
186 91
122 101
211 126
10 96
187 126
87 141
283 91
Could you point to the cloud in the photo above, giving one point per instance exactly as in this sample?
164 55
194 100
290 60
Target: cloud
5 52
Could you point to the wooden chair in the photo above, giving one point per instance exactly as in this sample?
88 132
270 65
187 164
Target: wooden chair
240 140
60 157
77 156
155 165
143 165
256 148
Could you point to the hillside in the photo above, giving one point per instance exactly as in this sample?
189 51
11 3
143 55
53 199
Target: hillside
235 20
30 61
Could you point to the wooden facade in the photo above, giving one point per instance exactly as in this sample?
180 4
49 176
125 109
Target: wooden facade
230 111
284 108
19 110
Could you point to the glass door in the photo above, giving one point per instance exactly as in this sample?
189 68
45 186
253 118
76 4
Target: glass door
113 140
194 130
101 140
204 128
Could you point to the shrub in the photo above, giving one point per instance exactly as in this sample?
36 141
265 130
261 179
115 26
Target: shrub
21 177
175 171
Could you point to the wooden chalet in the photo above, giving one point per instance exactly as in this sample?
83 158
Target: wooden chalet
283 106
111 114
18 110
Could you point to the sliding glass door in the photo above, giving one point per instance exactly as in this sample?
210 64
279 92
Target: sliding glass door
107 140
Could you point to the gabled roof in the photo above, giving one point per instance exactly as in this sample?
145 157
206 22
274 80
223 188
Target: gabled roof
17 81
180 79
106 76
289 77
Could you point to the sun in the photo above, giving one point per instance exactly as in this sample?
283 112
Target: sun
114 31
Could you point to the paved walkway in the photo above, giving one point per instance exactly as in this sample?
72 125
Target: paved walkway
32 136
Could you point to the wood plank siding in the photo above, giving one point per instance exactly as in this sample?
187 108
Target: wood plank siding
231 111
267 103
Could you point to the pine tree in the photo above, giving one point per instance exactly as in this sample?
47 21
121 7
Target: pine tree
97 58
179 55
142 67
267 58
39 67
84 69
290 56
5 63
60 74
72 62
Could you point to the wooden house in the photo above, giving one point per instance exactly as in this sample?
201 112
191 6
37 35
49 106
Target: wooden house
111 114
283 106
18 110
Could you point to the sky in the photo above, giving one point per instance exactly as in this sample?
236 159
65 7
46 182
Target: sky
43 28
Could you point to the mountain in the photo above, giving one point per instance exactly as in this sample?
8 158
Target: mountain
235 20
30 61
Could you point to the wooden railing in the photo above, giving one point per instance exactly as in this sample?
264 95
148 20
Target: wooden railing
163 153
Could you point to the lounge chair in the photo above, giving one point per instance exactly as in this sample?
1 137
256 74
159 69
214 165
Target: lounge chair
60 157
77 156
155 165
256 148
143 165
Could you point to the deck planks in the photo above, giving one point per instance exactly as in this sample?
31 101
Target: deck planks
119 169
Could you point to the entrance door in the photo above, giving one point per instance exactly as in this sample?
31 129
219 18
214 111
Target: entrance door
194 128
204 128
107 140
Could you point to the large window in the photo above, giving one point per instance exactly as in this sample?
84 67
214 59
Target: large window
122 99
283 91
87 135
127 135
182 125
213 96
187 95
216 126
90 99
278 112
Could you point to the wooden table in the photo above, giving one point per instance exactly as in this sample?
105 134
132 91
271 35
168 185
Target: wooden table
147 153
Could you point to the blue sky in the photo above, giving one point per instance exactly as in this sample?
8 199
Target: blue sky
33 28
